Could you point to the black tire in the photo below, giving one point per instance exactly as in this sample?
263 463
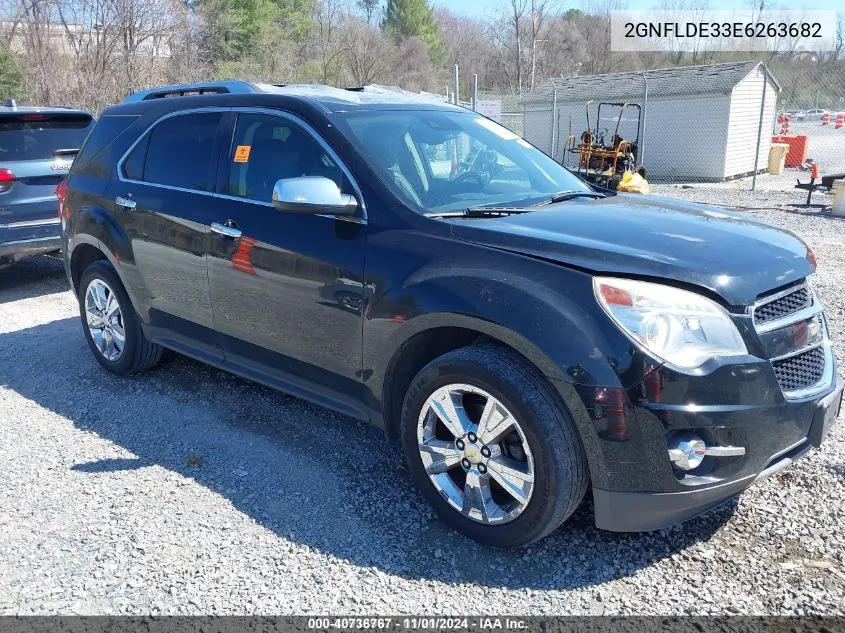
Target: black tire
349 301
139 354
560 464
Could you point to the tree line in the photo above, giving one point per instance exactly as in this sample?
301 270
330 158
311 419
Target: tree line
90 53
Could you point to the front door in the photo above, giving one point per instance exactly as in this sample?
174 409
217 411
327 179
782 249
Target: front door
287 288
164 200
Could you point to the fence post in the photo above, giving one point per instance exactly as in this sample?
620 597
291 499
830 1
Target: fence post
475 92
641 148
457 86
555 134
760 126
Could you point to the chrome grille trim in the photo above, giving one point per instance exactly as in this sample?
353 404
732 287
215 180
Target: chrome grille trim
783 304
797 352
801 315
814 308
824 383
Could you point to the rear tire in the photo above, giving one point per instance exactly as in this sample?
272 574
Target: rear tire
107 317
545 474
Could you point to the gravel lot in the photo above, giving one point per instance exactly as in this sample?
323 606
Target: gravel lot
187 490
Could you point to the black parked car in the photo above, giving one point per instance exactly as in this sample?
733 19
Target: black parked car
527 337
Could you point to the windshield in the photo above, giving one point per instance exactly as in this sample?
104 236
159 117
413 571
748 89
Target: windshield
443 161
35 136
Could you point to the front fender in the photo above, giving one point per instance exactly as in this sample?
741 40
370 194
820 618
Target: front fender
545 312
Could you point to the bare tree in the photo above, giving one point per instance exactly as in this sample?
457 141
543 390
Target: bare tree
540 10
329 43
468 46
370 9
368 52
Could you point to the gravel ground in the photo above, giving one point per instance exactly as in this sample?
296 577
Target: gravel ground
776 193
187 490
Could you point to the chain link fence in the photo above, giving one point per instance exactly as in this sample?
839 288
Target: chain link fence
702 128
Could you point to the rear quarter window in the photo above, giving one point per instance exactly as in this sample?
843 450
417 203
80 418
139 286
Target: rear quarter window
37 136
104 133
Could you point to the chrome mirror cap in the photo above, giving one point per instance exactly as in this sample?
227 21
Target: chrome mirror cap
312 194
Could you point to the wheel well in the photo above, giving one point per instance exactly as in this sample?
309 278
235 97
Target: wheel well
416 353
83 256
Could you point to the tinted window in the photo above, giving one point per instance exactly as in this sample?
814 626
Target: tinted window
107 129
133 166
180 151
267 148
36 135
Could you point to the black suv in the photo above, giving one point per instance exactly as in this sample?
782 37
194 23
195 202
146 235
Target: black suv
413 264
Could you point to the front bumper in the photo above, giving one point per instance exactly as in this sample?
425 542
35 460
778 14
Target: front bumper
646 511
636 488
27 239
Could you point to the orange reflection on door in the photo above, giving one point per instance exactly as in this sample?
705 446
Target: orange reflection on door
241 257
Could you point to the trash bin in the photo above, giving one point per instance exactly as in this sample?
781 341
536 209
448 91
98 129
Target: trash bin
838 189
777 158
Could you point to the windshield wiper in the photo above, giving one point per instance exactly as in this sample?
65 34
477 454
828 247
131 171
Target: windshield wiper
486 212
563 196
479 212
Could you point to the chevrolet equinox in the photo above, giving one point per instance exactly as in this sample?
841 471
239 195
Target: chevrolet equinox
523 335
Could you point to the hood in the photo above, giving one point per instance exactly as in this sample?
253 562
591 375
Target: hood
732 255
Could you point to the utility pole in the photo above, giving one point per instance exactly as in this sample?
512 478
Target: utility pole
533 42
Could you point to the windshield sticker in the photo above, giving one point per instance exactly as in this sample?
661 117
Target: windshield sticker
242 153
497 129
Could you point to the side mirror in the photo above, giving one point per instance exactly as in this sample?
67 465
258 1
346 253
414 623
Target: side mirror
312 194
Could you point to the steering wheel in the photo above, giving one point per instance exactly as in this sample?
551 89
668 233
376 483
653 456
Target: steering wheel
601 134
473 180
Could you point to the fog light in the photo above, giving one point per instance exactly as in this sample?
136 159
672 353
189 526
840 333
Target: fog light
687 452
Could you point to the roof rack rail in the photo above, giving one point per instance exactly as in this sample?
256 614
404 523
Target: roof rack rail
181 90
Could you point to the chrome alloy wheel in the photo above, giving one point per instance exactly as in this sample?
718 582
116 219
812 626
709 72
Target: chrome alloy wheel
105 319
476 454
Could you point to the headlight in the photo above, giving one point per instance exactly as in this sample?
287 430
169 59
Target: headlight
677 326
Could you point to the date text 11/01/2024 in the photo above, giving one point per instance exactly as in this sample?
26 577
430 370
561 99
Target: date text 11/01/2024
419 623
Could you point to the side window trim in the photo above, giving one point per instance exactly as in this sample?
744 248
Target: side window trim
148 131
227 144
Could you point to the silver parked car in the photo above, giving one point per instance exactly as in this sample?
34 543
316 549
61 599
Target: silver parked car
814 115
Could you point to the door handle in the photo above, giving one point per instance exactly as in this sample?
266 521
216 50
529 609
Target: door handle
126 203
225 231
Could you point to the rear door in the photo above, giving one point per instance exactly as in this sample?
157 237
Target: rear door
36 151
164 200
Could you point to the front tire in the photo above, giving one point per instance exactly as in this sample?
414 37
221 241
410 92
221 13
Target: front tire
491 446
111 325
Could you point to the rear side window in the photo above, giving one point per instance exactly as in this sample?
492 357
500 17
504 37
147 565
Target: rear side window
133 167
37 135
106 130
178 152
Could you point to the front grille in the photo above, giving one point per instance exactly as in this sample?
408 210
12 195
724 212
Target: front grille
783 306
800 371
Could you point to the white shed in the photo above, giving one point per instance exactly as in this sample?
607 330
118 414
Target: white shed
698 123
